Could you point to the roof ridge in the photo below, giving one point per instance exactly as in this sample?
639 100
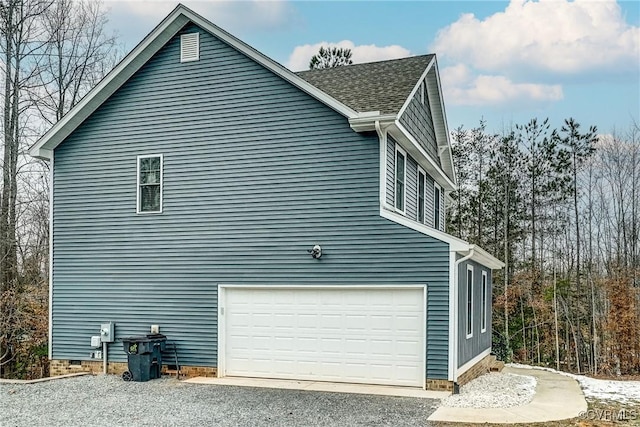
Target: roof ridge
368 63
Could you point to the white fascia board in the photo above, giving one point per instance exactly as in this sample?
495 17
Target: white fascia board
454 243
170 26
416 87
427 162
459 246
485 258
366 121
446 155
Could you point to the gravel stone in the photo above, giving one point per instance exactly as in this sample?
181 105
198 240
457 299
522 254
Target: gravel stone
107 400
494 390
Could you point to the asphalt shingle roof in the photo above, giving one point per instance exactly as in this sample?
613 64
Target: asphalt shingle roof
375 86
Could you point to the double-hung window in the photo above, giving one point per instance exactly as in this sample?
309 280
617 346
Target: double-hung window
150 183
401 163
421 189
484 311
469 322
437 190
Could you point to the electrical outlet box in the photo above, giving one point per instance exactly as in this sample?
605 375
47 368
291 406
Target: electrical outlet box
107 332
98 354
96 341
155 329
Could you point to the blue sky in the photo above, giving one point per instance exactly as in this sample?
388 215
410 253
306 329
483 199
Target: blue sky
506 62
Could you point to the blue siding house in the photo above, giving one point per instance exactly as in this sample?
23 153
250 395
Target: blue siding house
271 224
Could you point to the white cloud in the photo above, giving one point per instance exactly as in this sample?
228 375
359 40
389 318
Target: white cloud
462 87
555 36
230 15
301 55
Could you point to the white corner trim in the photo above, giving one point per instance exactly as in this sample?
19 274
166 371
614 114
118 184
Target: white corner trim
471 363
138 195
453 317
50 338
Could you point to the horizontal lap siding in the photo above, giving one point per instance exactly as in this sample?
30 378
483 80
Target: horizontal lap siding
480 341
419 122
255 173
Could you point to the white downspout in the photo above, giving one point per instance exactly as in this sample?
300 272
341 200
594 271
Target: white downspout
455 316
104 357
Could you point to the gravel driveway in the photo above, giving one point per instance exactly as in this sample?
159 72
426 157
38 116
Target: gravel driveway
109 401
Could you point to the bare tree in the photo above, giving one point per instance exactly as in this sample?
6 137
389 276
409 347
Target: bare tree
78 54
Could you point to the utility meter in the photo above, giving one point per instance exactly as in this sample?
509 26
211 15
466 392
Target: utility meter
107 333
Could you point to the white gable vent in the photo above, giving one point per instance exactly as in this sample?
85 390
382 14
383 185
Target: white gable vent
189 47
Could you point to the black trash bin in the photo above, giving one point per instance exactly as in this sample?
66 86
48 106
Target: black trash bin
144 354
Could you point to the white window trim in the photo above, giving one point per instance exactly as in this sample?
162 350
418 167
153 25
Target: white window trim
424 195
146 156
469 334
395 180
437 226
485 294
422 89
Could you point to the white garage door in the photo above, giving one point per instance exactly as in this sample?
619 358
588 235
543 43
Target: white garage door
356 335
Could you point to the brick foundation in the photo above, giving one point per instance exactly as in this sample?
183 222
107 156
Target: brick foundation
480 368
439 385
62 367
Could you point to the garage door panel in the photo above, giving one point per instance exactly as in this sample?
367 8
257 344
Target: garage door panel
365 335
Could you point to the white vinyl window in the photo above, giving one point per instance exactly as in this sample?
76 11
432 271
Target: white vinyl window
469 322
437 190
422 90
483 320
421 191
149 184
401 166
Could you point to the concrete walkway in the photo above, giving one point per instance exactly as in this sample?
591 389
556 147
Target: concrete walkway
557 397
380 390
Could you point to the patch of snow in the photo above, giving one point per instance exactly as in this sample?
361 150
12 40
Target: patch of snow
494 390
619 391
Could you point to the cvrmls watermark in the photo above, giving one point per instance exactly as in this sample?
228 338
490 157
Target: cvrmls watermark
610 414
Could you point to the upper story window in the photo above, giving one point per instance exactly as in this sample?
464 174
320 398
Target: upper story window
469 322
437 190
423 88
401 163
421 190
484 311
150 183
